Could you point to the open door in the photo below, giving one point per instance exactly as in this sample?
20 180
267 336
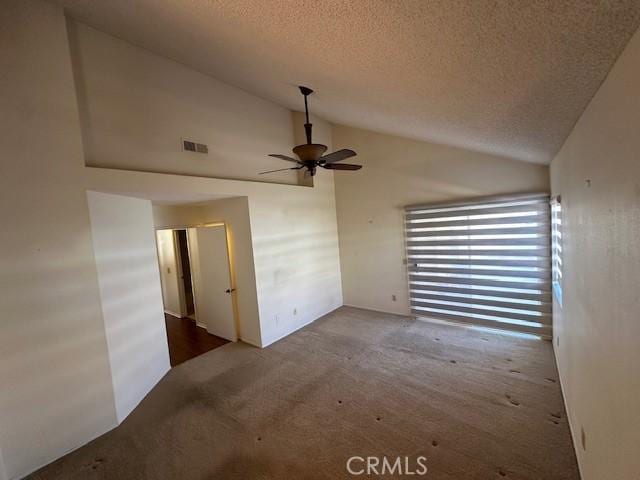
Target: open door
212 280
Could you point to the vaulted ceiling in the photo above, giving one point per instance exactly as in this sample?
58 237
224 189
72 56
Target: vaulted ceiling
503 77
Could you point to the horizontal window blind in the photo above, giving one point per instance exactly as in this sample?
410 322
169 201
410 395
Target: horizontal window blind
485 262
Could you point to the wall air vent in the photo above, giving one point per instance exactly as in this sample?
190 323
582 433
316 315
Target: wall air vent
190 146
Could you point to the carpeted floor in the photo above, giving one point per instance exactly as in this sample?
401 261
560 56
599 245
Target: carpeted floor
354 383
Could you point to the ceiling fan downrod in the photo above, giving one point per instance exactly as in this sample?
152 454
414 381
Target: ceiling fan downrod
306 91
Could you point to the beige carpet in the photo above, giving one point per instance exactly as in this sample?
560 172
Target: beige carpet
355 383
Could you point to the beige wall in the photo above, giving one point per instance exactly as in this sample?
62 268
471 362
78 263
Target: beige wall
3 472
597 174
399 172
55 368
294 229
56 391
135 108
126 257
293 236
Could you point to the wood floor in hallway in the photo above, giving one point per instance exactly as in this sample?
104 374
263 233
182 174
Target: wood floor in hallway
187 340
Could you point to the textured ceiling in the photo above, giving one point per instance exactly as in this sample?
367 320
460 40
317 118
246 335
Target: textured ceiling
507 77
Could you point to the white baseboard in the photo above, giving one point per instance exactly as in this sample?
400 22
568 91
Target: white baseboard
379 311
574 437
173 314
266 343
253 343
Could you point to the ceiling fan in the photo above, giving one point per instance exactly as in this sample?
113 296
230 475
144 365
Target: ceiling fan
310 155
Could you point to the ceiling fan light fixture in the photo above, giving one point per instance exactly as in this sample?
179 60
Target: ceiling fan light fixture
311 155
309 151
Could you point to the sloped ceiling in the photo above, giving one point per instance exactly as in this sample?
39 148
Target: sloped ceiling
503 77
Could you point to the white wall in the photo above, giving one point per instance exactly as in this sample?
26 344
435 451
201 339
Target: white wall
169 270
56 391
294 230
294 240
267 313
55 357
126 95
597 174
399 172
126 257
3 472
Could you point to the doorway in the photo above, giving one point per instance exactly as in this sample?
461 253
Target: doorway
197 290
185 273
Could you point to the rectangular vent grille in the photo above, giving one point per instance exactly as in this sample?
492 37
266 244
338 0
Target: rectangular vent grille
485 262
194 147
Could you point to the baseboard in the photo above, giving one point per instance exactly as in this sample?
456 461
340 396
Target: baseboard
253 343
173 314
286 334
572 430
66 452
406 315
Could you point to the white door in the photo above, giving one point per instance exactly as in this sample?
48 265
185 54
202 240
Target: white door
212 280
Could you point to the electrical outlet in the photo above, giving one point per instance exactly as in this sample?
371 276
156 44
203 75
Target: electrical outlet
558 341
393 297
295 311
583 439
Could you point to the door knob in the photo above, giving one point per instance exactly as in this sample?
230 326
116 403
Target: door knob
229 290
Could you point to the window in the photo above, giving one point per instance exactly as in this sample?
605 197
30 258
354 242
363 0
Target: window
485 262
556 248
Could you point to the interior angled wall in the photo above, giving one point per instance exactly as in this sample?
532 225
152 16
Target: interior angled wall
398 172
597 328
130 293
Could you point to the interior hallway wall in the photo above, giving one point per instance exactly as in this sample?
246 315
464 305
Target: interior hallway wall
399 172
169 273
597 328
125 250
56 392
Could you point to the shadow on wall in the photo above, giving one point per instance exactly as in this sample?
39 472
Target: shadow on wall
134 321
30 384
297 268
129 279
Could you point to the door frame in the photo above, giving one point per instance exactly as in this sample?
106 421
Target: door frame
230 258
